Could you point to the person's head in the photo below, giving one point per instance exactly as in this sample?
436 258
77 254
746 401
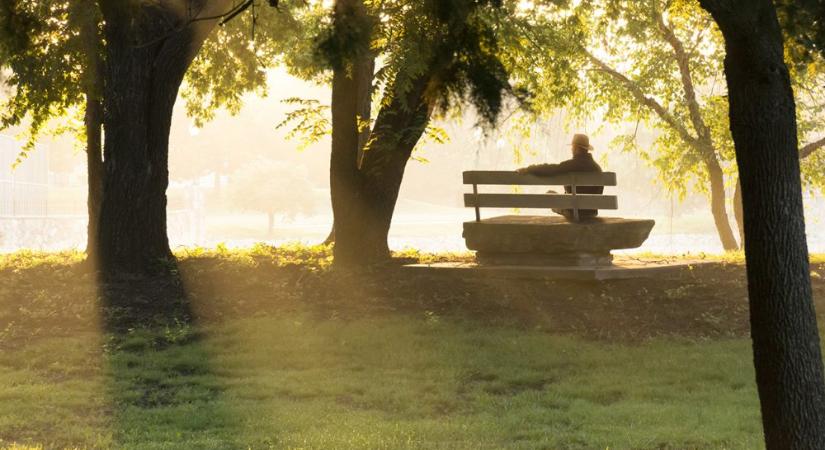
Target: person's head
580 144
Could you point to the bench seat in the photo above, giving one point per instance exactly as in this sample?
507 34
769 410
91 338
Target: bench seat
553 240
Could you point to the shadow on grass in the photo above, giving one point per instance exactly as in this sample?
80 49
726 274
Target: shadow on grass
163 390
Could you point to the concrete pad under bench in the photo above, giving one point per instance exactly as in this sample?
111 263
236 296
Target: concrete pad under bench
621 269
552 240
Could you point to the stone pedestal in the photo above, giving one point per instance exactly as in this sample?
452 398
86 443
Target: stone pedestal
553 241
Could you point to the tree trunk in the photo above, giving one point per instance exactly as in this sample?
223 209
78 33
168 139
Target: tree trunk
365 75
347 189
330 239
738 213
346 182
94 170
146 61
786 344
362 239
271 223
718 207
93 121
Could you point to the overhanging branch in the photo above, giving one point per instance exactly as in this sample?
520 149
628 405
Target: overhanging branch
683 61
810 148
636 91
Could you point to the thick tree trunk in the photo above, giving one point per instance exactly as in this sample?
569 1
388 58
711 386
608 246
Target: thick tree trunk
146 61
718 207
398 128
133 214
94 170
365 75
786 343
362 239
346 182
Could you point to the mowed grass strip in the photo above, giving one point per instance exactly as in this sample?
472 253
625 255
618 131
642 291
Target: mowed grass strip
271 349
427 382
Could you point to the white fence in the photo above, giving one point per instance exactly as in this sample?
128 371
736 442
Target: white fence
24 189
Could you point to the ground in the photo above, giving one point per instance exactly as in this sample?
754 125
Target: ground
269 348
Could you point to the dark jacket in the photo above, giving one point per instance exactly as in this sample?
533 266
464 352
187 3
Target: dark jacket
583 162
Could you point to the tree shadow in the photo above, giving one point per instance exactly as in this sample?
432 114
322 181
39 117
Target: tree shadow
162 387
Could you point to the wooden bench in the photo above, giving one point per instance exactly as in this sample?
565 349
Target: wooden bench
548 240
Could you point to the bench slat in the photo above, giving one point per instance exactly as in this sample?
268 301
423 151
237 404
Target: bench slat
561 201
495 177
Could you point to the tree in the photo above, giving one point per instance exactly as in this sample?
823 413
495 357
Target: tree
121 64
802 24
272 188
660 66
149 47
52 82
786 343
404 36
442 52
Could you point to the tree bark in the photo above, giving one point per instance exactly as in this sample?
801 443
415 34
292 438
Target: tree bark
365 75
350 205
718 207
94 170
93 121
346 182
361 233
148 51
786 344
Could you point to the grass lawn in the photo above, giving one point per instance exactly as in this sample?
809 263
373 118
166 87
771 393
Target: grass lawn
268 348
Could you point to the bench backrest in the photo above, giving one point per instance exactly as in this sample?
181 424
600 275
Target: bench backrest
573 201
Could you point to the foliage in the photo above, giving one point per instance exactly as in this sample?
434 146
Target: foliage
311 119
317 257
803 26
42 47
455 42
45 47
235 57
612 61
27 259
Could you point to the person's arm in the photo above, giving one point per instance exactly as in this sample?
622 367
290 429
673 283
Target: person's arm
546 170
541 170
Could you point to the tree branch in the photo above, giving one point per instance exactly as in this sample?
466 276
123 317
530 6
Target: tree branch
810 148
683 61
634 89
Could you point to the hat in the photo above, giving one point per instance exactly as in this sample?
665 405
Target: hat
581 141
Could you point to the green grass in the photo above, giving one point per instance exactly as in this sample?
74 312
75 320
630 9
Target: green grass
330 375
296 382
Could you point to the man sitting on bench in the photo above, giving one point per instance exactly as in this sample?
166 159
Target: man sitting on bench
582 161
